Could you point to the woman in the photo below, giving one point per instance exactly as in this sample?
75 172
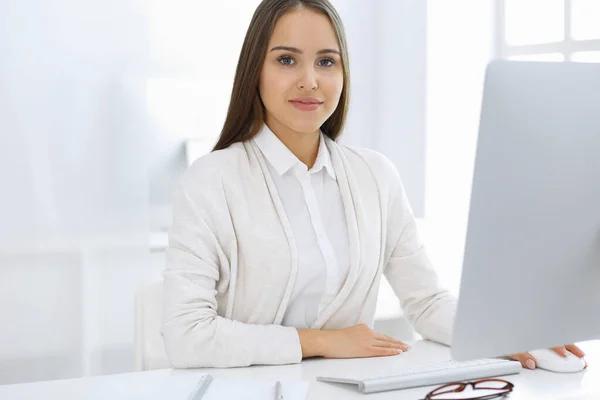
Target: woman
280 236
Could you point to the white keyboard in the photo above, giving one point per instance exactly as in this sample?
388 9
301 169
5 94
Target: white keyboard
436 373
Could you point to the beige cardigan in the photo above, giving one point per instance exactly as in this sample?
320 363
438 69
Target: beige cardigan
232 260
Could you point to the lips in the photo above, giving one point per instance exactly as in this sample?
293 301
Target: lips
306 103
305 106
306 100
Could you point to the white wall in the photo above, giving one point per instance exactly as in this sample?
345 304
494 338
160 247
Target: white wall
387 60
194 51
459 47
401 44
74 201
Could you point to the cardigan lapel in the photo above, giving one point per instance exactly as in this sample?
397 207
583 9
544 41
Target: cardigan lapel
253 150
354 216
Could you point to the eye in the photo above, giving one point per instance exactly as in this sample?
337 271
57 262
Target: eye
286 60
326 62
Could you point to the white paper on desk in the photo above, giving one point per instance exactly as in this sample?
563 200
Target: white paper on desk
180 387
255 390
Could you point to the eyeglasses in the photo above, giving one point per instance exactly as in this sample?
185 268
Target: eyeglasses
485 389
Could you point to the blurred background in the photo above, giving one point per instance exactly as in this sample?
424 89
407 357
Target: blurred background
104 104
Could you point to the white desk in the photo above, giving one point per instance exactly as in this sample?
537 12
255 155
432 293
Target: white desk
529 385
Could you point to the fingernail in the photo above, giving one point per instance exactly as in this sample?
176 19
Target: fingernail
530 364
398 351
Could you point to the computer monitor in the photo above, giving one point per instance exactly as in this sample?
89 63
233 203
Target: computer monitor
531 271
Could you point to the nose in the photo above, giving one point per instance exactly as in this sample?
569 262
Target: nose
308 80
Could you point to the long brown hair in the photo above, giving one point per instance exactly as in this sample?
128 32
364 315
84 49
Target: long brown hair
245 115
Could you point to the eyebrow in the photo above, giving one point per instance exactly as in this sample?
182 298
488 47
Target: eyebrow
298 51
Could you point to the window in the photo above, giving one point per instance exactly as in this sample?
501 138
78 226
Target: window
586 56
539 57
548 30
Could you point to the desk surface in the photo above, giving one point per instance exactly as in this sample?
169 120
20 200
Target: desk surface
529 385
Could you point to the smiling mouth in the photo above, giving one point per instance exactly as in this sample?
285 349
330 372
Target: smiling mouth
305 105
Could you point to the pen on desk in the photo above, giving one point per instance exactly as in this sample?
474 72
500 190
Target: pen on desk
278 394
201 388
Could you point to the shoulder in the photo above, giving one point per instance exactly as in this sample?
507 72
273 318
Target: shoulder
382 168
215 165
387 177
208 176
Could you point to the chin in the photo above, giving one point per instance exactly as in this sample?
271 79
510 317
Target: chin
305 126
307 129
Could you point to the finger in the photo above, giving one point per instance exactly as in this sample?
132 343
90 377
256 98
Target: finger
381 336
389 345
386 338
560 350
575 350
384 352
526 360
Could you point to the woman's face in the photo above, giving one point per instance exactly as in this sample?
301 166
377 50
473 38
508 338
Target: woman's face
302 77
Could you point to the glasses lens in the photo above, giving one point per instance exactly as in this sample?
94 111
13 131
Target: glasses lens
485 389
470 394
492 384
453 387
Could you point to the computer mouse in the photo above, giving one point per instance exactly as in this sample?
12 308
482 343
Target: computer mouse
551 361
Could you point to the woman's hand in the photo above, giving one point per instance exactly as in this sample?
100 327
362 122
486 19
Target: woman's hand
528 361
359 341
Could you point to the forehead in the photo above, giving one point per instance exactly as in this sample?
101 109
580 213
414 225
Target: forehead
305 29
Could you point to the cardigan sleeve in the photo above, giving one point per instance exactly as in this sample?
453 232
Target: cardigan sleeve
194 335
426 304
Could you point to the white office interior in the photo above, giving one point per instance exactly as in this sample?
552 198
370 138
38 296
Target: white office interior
104 104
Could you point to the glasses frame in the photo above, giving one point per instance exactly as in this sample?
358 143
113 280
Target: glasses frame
507 389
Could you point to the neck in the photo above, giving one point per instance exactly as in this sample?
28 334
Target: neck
305 146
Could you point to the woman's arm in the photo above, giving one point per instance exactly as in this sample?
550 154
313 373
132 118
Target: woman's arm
427 305
312 342
194 335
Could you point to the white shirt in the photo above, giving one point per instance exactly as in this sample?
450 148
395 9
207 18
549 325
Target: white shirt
314 208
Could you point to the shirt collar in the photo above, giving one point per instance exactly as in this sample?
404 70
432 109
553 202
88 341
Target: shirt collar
324 159
282 159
